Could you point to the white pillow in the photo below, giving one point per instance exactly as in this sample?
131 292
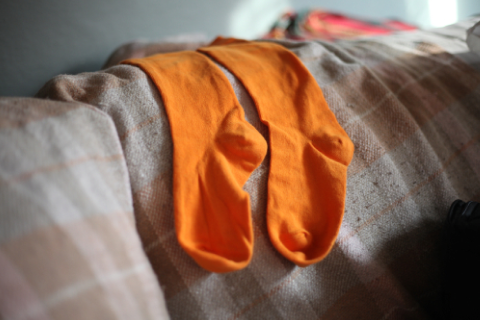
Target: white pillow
473 38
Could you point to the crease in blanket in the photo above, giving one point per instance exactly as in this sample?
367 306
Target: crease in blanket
216 150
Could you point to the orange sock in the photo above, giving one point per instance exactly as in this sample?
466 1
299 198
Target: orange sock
310 152
215 151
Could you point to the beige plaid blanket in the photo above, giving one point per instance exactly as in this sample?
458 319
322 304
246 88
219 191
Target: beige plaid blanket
68 244
413 112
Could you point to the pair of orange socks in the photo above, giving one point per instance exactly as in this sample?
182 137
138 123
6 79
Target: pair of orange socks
216 150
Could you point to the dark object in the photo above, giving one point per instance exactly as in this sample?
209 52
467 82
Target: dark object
461 295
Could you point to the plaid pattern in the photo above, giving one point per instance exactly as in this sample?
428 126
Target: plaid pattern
411 110
68 244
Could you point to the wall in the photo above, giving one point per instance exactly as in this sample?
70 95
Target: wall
42 38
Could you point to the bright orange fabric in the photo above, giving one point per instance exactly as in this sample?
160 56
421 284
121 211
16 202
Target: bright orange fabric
215 151
310 151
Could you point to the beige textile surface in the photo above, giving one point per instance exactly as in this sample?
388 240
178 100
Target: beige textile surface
68 244
412 111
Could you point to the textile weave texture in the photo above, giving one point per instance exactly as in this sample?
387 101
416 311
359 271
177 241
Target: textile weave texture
412 111
68 244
